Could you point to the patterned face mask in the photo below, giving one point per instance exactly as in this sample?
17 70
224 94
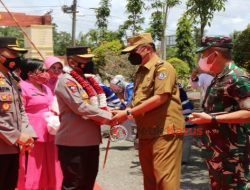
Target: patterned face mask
203 64
41 78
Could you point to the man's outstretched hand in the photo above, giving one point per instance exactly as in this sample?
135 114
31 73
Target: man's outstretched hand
119 116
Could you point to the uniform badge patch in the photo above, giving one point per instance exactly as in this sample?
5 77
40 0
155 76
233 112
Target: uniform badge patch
72 86
162 76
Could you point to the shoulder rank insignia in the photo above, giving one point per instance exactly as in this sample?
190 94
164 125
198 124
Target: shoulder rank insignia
160 62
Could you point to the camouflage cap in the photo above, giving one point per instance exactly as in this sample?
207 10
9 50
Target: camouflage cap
215 41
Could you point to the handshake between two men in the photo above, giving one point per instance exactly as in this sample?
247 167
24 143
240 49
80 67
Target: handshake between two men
115 117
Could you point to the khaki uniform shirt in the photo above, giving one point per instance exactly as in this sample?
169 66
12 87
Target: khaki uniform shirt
13 119
157 77
78 118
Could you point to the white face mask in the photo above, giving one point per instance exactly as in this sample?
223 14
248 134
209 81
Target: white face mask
204 66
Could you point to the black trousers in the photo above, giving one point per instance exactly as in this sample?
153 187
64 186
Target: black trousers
79 166
9 164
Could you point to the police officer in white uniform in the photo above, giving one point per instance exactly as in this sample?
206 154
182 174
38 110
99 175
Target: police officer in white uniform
79 136
15 131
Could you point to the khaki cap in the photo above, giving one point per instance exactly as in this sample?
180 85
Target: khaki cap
135 41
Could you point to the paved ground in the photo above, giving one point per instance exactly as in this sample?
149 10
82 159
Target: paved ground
123 171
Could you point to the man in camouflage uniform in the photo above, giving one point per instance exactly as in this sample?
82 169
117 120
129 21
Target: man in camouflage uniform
226 117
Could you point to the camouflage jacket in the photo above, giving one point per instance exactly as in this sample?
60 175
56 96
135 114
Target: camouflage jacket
230 92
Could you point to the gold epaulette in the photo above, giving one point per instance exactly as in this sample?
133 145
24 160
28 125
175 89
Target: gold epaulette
160 62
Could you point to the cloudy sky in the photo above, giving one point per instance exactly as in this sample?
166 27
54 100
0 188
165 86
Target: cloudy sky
235 17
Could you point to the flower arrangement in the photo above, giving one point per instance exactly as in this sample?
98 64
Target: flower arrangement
92 88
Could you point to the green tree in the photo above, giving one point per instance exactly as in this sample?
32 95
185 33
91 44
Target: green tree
93 38
102 14
61 40
158 21
110 62
100 52
14 32
82 40
235 35
135 9
241 51
122 30
203 11
182 70
171 52
185 41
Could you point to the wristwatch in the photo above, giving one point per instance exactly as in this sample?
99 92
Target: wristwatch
214 120
129 114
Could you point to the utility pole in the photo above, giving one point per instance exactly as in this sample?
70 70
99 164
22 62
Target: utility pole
72 10
165 9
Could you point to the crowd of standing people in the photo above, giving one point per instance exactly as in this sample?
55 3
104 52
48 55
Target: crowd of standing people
32 90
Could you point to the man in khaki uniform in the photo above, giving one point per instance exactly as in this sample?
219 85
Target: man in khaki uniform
14 127
157 110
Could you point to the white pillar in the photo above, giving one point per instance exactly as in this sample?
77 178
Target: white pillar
42 37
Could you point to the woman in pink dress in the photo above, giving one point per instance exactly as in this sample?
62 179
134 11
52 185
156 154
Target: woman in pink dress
40 170
54 67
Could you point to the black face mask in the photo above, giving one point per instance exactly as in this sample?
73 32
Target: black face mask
88 68
12 63
135 58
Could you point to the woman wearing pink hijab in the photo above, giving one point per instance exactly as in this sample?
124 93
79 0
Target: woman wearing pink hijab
40 169
54 67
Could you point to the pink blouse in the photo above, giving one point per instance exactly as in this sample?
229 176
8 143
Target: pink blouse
36 103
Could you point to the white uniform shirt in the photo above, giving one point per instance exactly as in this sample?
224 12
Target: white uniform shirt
203 83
